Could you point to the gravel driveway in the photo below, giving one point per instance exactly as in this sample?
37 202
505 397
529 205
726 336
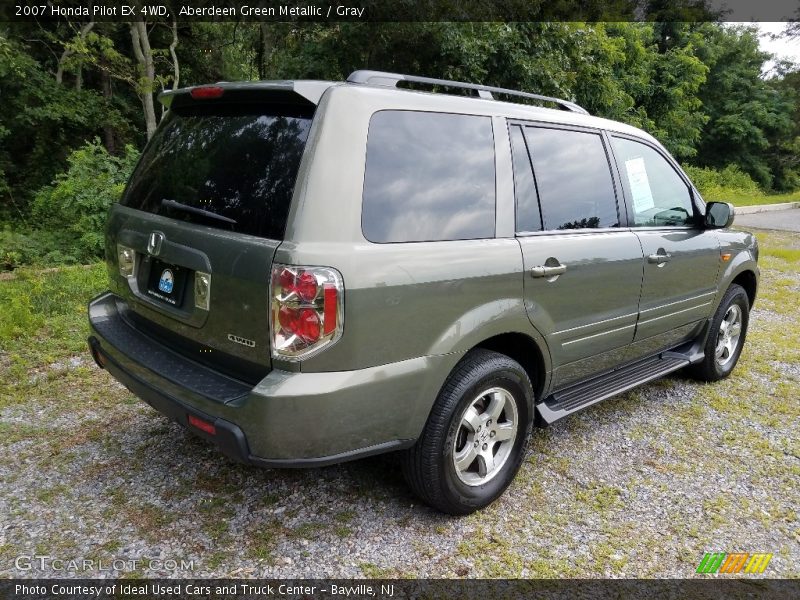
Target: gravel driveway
639 486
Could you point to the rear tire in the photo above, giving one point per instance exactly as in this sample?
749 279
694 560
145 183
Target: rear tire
476 435
725 338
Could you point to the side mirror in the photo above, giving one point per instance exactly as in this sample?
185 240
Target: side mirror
719 214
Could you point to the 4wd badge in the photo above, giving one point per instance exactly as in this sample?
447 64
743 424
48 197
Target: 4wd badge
241 340
167 281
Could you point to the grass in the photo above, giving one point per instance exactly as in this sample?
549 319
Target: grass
745 199
43 321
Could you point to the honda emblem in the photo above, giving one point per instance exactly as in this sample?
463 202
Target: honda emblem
154 243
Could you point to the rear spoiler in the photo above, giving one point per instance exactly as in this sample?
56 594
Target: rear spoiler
283 92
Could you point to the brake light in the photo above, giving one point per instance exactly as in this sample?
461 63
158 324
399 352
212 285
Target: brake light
207 92
302 282
307 310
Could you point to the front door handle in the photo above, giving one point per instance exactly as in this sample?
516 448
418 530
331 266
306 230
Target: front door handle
548 271
658 258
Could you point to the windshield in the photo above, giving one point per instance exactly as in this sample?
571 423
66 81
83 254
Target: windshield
231 167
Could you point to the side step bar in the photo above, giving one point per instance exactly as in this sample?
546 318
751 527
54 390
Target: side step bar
577 397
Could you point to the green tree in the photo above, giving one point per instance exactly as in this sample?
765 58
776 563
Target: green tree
40 122
749 119
76 202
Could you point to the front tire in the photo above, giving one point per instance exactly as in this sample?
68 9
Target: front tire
726 337
476 435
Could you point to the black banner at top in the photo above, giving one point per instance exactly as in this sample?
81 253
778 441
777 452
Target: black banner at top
399 10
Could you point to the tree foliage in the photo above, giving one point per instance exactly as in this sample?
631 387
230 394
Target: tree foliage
77 200
696 85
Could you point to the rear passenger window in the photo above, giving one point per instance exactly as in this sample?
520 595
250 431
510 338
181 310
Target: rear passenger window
658 195
429 177
573 179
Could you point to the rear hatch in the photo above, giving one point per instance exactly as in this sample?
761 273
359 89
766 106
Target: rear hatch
202 216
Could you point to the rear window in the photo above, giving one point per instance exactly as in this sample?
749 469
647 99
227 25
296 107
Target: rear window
429 177
573 178
233 167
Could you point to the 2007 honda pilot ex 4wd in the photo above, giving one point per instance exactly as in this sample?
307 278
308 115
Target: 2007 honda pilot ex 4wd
308 272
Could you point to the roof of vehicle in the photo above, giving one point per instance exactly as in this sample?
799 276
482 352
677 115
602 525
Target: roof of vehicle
311 91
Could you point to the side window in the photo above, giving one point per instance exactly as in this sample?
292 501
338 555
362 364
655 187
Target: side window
429 177
657 193
573 178
528 215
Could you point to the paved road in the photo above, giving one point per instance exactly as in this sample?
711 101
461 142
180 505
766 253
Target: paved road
787 220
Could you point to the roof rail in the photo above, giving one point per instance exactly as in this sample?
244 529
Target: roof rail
384 79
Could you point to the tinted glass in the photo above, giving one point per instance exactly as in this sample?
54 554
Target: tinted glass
429 176
656 192
232 168
573 179
528 217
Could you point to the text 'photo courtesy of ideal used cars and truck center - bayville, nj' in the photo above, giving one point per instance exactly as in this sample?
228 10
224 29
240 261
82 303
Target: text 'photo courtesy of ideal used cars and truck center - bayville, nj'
425 300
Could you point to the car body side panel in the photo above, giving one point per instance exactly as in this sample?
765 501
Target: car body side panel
588 314
681 290
742 248
419 299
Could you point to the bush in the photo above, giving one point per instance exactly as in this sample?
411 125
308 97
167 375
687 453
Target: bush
723 185
70 213
37 248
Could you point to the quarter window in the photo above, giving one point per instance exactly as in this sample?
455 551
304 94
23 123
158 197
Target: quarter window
429 177
658 195
529 217
573 179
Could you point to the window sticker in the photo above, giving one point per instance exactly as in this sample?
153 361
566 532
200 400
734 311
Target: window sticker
640 185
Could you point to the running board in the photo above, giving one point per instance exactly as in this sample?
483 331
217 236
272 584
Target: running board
577 397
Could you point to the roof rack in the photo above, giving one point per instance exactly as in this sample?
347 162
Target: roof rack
384 79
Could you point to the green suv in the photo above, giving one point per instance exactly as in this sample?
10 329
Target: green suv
309 272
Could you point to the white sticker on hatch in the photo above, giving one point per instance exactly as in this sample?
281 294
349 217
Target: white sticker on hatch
640 185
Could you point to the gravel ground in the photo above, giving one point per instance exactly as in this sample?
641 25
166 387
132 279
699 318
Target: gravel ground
639 486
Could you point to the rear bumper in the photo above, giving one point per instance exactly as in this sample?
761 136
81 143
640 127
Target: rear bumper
229 437
286 420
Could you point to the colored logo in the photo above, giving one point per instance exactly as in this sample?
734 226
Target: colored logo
167 282
737 562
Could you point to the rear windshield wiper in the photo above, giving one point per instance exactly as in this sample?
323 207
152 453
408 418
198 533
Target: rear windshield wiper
195 211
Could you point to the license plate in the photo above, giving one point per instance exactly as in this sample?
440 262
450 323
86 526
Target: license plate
166 282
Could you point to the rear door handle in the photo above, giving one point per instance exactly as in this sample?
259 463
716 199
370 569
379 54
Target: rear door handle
543 271
659 259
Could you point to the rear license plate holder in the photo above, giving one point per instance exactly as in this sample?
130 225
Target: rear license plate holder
167 283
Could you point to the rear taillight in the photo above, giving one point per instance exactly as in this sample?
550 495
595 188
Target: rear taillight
307 310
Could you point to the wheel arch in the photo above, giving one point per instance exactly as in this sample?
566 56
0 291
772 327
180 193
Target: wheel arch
523 349
747 279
